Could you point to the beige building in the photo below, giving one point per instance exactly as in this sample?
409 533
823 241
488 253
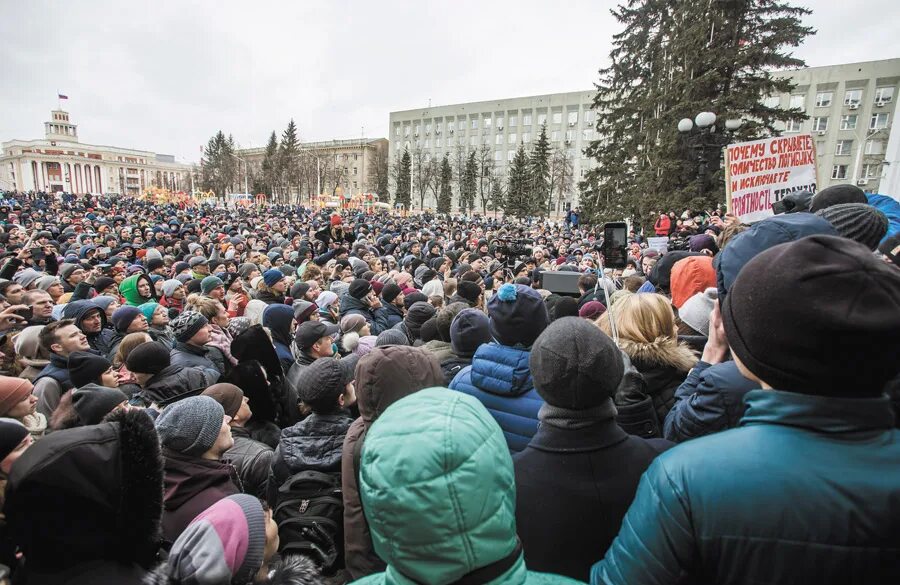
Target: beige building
326 166
59 162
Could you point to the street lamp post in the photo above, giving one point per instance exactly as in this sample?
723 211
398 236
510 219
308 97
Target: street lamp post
706 141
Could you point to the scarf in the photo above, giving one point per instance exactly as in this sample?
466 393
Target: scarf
567 419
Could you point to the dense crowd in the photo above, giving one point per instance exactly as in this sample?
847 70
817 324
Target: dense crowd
204 395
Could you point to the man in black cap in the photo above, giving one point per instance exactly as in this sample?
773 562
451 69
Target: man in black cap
813 465
361 300
390 313
314 340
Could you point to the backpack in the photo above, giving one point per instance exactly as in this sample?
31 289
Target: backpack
309 512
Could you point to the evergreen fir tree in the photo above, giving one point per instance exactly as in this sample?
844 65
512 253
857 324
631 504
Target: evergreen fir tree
445 194
289 153
218 165
403 195
519 200
271 165
539 169
674 59
470 183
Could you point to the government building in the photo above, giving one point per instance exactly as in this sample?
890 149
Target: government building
851 111
59 162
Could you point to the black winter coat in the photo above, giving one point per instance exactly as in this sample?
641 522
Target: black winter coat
452 366
174 383
573 488
252 461
312 444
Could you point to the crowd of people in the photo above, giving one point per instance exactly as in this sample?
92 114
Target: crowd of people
274 394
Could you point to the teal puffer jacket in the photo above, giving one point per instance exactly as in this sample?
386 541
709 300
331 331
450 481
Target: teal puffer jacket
438 491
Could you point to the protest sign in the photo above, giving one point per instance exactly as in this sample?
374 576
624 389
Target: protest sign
660 244
761 172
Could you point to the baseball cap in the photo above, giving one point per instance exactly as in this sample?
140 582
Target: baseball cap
312 331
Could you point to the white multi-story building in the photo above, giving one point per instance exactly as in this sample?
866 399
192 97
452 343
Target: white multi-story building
59 162
851 109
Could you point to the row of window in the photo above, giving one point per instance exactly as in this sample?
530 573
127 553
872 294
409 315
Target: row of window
512 138
824 99
845 147
489 121
869 171
877 121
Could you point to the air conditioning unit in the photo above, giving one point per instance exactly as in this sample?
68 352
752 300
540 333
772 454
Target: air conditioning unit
879 104
416 135
568 142
862 181
571 124
499 128
451 130
437 130
853 106
821 132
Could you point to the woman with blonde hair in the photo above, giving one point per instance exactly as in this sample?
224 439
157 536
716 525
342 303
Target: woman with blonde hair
127 382
645 324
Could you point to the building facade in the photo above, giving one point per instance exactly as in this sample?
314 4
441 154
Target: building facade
851 111
330 167
59 162
497 128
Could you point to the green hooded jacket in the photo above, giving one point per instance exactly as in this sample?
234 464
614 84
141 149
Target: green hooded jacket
438 490
128 288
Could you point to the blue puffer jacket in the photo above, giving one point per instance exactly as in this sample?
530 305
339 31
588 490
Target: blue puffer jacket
805 491
711 399
500 378
891 208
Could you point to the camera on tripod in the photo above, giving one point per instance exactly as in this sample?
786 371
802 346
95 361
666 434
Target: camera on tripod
512 251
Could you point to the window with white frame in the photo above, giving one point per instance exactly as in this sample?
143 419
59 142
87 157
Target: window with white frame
500 123
472 140
542 119
498 155
474 123
874 146
510 155
848 122
486 139
824 99
526 119
852 97
570 135
512 121
871 170
554 136
884 95
498 139
878 121
451 126
428 127
839 172
428 143
397 130
820 123
437 142
843 147
587 135
793 126
557 117
511 139
589 116
798 102
526 137
406 130
572 117
772 101
418 129
487 122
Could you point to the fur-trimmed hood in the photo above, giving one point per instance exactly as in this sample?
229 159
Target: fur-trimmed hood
294 570
663 351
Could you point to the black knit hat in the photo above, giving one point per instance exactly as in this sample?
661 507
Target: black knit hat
93 402
390 292
186 325
468 290
359 288
85 368
418 314
575 365
148 358
837 194
468 331
413 298
858 221
818 316
429 330
11 434
890 247
102 283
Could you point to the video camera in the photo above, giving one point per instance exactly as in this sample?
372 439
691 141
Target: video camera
513 250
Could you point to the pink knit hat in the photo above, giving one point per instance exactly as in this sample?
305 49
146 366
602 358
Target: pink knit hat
12 392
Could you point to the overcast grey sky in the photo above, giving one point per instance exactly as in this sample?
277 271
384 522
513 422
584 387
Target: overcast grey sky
165 75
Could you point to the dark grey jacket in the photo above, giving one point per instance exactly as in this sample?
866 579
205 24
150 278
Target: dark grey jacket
252 460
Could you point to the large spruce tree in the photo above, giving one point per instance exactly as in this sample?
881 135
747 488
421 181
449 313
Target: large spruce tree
539 169
403 194
218 165
445 192
289 155
469 183
674 59
519 200
271 166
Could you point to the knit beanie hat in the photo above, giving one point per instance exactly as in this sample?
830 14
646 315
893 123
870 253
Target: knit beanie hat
12 392
148 358
468 331
298 289
391 337
102 283
210 283
323 381
575 365
12 432
147 309
339 288
413 298
565 307
153 263
124 316
186 325
190 426
27 277
246 269
303 309
695 311
390 292
326 299
224 544
272 277
818 288
890 247
591 310
45 282
228 395
169 287
517 315
86 367
353 322
690 276
180 267
66 269
359 288
836 195
197 261
429 330
93 402
468 290
417 315
859 222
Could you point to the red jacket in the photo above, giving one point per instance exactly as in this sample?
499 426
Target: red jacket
662 226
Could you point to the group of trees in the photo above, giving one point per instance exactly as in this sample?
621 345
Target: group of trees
537 174
219 164
672 60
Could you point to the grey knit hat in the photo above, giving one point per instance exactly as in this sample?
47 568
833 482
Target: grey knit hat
169 286
190 426
391 337
695 311
859 222
186 325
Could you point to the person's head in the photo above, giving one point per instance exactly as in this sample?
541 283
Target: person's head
387 374
128 319
159 315
14 440
645 318
689 276
196 426
316 338
418 314
92 320
454 438
41 303
823 319
470 291
191 328
647 264
213 287
241 525
468 331
837 195
87 405
17 399
212 309
275 281
13 292
89 368
173 289
147 360
63 337
859 222
233 401
517 315
127 345
354 323
392 295
326 385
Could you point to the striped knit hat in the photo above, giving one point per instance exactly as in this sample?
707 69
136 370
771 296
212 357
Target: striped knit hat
859 222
